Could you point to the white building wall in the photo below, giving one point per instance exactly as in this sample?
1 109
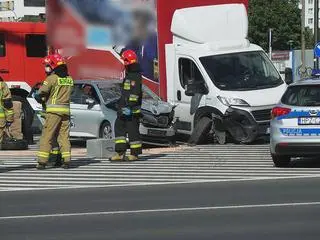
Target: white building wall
19 11
309 13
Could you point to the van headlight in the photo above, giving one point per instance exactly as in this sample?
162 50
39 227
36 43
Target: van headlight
233 102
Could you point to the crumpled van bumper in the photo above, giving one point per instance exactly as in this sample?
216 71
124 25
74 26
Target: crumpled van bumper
241 125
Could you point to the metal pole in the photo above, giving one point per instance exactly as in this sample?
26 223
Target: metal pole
270 43
316 30
303 43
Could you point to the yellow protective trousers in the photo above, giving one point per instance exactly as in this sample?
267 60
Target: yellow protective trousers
2 128
55 126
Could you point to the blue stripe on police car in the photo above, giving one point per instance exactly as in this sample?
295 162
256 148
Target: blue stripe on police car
300 132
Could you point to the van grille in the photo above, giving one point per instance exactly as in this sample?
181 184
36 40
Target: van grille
262 115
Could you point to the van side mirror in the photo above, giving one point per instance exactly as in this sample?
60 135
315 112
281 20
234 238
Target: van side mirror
190 91
288 76
196 87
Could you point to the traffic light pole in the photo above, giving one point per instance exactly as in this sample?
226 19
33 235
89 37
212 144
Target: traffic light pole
316 30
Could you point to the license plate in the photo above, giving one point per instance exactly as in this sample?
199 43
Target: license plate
309 121
152 132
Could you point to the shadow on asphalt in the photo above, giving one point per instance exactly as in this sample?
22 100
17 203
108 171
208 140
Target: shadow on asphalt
82 162
305 163
17 168
151 157
74 164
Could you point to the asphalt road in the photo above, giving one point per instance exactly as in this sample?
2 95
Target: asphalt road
268 209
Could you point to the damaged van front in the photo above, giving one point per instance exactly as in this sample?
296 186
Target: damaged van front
222 84
247 87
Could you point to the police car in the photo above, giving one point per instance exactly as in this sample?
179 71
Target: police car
295 124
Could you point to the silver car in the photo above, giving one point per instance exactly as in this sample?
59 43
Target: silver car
94 111
295 124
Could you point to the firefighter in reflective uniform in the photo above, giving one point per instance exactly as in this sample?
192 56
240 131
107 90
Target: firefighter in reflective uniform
55 154
6 108
56 91
128 118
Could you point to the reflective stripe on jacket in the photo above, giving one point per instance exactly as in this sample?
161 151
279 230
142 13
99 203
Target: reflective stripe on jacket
58 91
63 109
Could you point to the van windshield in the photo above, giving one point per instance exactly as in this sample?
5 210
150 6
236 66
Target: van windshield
242 71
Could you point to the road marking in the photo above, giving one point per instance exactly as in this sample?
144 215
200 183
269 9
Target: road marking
138 184
144 211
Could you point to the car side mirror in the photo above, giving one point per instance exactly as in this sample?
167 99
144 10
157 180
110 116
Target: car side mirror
90 102
288 76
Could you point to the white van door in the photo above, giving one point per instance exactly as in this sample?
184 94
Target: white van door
187 71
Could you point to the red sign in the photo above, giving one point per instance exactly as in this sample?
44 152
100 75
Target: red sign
64 29
280 55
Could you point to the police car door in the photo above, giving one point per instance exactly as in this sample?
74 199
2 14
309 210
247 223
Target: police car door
302 121
85 113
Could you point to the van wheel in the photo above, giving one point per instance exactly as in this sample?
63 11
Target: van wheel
106 131
201 131
27 118
281 161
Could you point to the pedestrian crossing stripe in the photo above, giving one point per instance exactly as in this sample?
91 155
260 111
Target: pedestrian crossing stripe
199 164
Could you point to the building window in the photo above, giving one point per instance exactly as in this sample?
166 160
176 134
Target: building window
36 45
310 1
310 11
34 3
310 21
7 6
2 45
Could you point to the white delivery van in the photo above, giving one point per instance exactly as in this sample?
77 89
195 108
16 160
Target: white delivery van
220 83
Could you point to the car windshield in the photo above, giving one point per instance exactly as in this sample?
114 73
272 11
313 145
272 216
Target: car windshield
242 71
302 95
112 92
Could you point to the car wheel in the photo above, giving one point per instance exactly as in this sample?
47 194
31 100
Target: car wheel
281 161
200 132
106 131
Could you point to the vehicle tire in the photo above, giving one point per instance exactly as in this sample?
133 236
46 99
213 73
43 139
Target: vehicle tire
27 118
13 144
201 130
106 131
281 161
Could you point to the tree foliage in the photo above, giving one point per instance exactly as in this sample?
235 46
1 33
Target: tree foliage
283 17
31 18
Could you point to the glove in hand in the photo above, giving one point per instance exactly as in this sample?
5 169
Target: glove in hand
126 111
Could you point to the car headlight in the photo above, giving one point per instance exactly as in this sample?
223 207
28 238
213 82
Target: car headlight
233 102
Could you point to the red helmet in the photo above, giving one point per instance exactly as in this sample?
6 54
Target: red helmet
129 57
54 60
